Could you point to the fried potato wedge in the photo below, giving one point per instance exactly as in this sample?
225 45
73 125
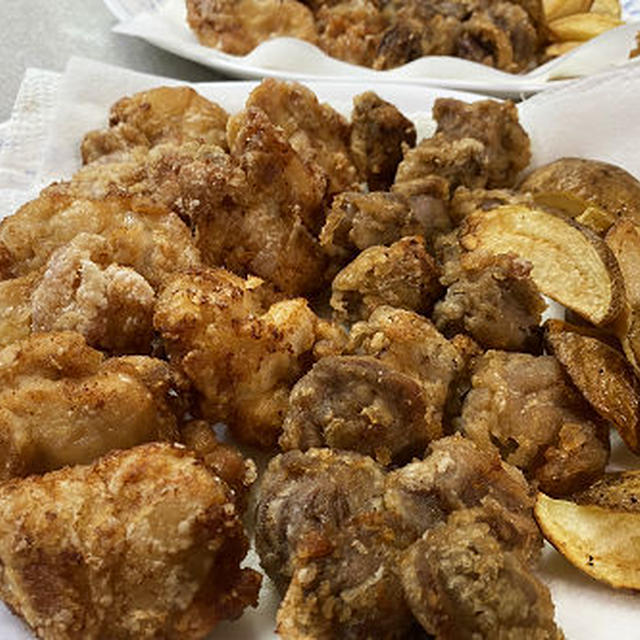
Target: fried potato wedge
575 185
554 9
571 264
560 48
598 533
624 241
607 8
602 375
581 26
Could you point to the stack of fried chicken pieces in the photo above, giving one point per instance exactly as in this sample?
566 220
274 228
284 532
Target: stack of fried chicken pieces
382 34
298 278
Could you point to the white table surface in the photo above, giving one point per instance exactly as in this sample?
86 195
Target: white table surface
45 33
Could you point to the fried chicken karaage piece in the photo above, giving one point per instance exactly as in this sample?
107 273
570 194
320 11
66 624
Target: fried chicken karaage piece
143 235
226 461
315 131
461 584
303 494
261 208
160 115
455 475
523 407
495 301
350 31
238 26
403 275
62 403
378 131
81 289
242 356
144 543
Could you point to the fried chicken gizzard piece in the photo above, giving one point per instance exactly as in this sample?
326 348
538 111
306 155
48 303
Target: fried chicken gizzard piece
242 356
386 397
461 583
333 532
403 275
63 403
524 407
144 543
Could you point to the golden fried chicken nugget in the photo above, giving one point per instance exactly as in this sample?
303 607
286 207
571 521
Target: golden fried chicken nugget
315 131
263 208
144 543
163 114
238 26
242 358
144 235
62 403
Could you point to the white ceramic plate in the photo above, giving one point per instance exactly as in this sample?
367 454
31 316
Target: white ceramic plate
163 23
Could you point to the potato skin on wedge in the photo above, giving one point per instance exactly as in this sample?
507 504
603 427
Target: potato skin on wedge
576 184
624 241
571 264
603 376
598 531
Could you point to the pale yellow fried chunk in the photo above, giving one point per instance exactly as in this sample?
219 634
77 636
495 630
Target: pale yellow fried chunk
144 235
163 114
62 403
145 543
242 358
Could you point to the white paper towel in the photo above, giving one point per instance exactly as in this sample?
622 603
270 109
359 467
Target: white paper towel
595 118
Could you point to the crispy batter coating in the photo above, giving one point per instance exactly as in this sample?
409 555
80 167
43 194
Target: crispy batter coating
238 26
523 407
357 221
315 131
144 236
495 124
82 289
378 131
351 30
174 175
226 460
304 495
359 404
410 344
403 275
61 403
148 118
493 299
456 475
346 584
145 543
241 358
261 208
461 584
461 161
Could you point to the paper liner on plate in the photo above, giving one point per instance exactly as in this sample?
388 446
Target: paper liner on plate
163 23
595 117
